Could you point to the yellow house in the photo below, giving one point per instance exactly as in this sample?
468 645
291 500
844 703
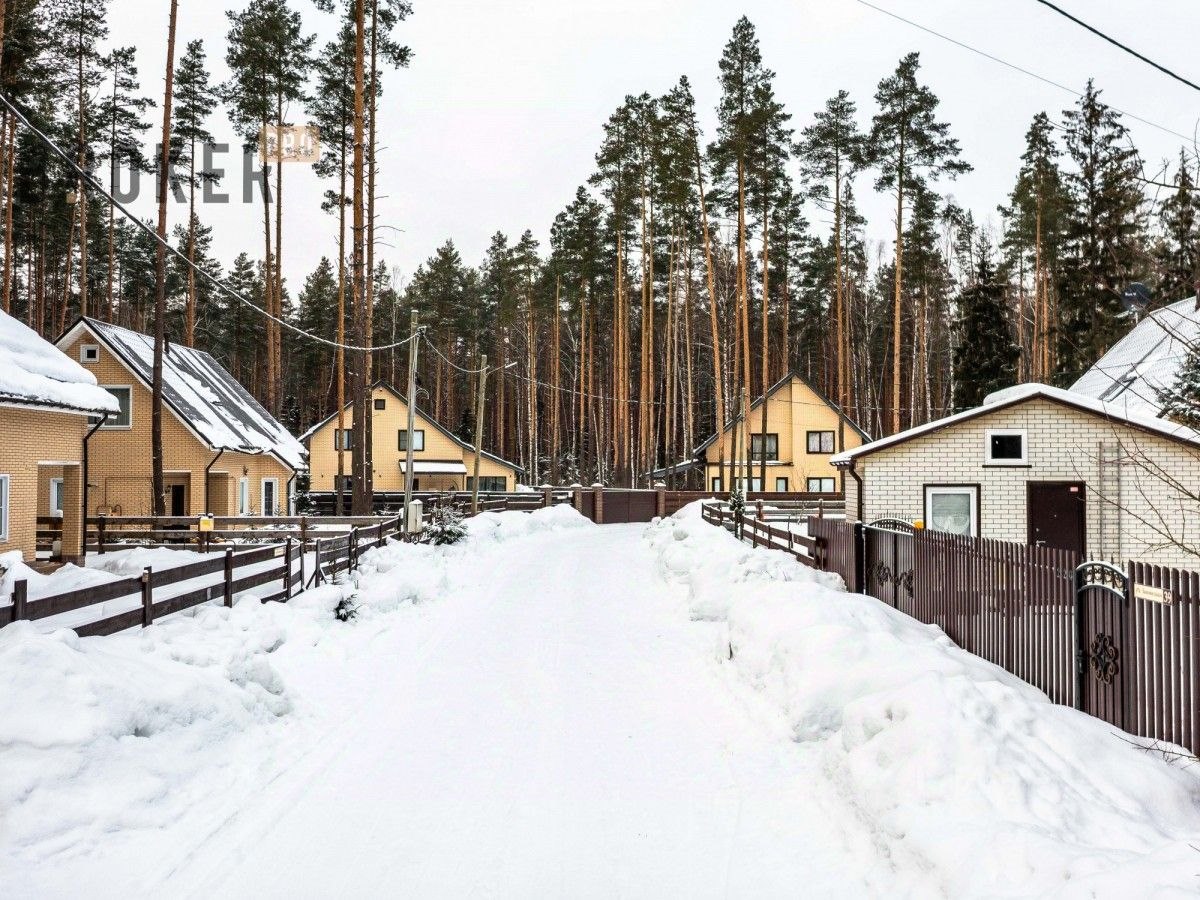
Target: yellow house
45 404
441 461
223 453
804 430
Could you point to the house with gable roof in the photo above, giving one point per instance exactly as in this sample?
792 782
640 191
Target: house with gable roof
47 404
441 460
224 454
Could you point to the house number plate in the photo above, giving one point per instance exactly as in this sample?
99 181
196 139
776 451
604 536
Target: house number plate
1153 594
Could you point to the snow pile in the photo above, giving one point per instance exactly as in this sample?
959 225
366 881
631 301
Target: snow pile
709 561
34 370
959 767
509 526
102 735
66 578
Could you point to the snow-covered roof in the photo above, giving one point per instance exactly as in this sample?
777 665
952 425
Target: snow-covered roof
34 372
1145 361
1020 394
199 390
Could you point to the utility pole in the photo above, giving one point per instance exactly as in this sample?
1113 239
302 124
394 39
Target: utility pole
413 344
478 433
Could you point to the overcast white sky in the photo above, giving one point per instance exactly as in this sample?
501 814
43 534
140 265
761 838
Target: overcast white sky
497 120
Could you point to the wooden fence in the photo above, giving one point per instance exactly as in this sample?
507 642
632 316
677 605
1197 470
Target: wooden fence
762 533
276 568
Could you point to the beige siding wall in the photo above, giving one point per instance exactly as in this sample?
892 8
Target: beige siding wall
33 436
119 463
386 424
1063 445
792 411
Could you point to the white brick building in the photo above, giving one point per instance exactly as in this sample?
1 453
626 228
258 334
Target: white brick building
1039 464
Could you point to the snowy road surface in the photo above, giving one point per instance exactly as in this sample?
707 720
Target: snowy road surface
555 735
555 709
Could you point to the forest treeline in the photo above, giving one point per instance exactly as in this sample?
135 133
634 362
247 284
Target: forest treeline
688 272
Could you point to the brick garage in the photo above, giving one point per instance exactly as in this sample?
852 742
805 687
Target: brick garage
1130 511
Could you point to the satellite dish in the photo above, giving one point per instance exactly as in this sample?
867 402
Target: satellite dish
1136 298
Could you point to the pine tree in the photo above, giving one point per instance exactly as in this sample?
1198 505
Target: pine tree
741 118
1035 228
908 145
195 100
986 358
268 55
831 151
1178 250
120 115
1105 252
80 28
1181 400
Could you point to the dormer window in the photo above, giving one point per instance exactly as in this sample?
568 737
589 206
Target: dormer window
89 353
1007 447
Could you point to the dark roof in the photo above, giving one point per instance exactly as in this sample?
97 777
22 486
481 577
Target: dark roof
774 389
424 415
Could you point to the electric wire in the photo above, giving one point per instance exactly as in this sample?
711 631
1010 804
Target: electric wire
1100 34
996 59
220 285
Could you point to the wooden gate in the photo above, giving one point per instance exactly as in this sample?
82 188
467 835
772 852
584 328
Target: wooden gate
888 561
1101 658
622 506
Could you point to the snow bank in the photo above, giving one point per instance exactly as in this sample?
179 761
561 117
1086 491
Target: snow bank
961 768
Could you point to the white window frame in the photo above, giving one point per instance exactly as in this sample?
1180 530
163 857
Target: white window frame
820 479
753 486
971 490
56 510
119 387
1022 433
243 496
4 491
418 440
84 349
269 511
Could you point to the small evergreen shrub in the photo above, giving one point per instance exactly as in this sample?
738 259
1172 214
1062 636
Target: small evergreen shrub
446 526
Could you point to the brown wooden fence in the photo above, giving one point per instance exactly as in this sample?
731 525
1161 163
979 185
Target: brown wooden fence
838 549
761 533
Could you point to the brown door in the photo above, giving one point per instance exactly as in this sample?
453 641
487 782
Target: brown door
1057 515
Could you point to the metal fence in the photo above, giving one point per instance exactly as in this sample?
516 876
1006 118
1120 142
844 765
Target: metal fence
1120 644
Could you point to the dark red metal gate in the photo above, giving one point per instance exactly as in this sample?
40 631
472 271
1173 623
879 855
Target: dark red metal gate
622 506
888 561
1101 659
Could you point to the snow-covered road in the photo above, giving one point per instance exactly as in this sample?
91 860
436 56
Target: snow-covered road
561 731
556 709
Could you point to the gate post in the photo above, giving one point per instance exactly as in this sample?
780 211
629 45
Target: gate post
660 500
860 558
598 503
577 497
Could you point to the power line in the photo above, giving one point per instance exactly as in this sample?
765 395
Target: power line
996 59
1100 34
220 285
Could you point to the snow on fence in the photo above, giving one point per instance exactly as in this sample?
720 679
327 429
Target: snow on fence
762 533
1124 647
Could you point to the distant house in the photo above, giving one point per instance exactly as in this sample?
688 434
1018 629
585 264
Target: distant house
441 460
223 453
804 430
1040 465
46 401
1146 361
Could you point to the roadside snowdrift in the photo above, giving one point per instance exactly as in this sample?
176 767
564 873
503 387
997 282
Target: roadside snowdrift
952 761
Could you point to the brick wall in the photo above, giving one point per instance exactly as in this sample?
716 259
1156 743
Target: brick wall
32 436
1064 444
